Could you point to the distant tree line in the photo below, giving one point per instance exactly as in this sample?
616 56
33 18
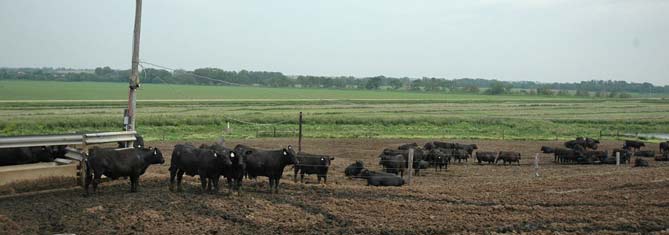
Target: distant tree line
215 76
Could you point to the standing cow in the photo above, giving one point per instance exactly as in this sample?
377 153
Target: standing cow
488 157
508 157
633 144
234 173
664 147
120 163
312 164
270 163
203 161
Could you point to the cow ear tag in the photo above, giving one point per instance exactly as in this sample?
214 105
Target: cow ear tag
155 152
285 153
232 154
215 155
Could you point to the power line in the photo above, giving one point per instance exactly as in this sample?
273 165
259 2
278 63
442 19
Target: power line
193 74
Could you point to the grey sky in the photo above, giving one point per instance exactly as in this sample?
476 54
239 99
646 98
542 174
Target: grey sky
537 40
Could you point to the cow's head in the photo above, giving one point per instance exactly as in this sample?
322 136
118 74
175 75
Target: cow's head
289 155
224 156
157 156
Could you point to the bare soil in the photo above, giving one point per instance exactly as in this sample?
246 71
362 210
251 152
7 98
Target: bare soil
467 198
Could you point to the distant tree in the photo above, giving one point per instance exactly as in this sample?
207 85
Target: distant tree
498 88
624 95
472 89
563 93
583 93
395 84
545 90
373 83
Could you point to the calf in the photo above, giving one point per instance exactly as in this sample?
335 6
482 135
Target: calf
508 157
381 179
270 163
111 163
312 164
203 161
488 157
354 169
645 153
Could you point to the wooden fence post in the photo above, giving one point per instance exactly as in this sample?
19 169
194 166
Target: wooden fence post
274 128
617 158
299 141
536 165
410 166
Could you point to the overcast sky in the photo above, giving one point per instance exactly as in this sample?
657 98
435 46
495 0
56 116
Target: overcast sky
536 40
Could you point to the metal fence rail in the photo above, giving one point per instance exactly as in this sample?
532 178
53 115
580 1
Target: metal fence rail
79 154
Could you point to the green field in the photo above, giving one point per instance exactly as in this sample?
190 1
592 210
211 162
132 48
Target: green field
180 112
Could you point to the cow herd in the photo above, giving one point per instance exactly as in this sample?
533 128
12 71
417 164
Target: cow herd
585 151
437 154
211 162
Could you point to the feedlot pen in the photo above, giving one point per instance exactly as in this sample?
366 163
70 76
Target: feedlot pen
466 198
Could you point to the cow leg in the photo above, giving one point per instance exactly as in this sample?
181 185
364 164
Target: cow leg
230 184
203 182
133 183
180 176
215 184
87 181
325 179
295 171
276 184
302 177
271 184
96 181
173 174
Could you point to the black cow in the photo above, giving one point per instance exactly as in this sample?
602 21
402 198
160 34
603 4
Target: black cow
663 157
444 145
26 155
395 164
546 149
664 147
640 163
381 179
312 164
459 154
438 158
112 163
234 173
595 156
488 157
270 163
354 169
408 146
567 155
138 143
467 147
508 157
633 144
645 153
203 161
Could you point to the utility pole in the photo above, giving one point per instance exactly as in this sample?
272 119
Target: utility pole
134 74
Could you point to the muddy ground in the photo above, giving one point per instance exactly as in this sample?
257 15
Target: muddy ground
467 198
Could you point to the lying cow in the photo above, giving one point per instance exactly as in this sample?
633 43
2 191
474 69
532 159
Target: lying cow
381 179
663 157
488 157
508 157
354 169
270 163
312 164
26 155
645 153
113 164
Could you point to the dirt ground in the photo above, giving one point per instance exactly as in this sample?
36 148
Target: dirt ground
467 198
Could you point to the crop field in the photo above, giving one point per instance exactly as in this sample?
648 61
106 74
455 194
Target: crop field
466 198
171 112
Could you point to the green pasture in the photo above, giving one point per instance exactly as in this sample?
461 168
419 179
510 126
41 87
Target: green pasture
180 112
